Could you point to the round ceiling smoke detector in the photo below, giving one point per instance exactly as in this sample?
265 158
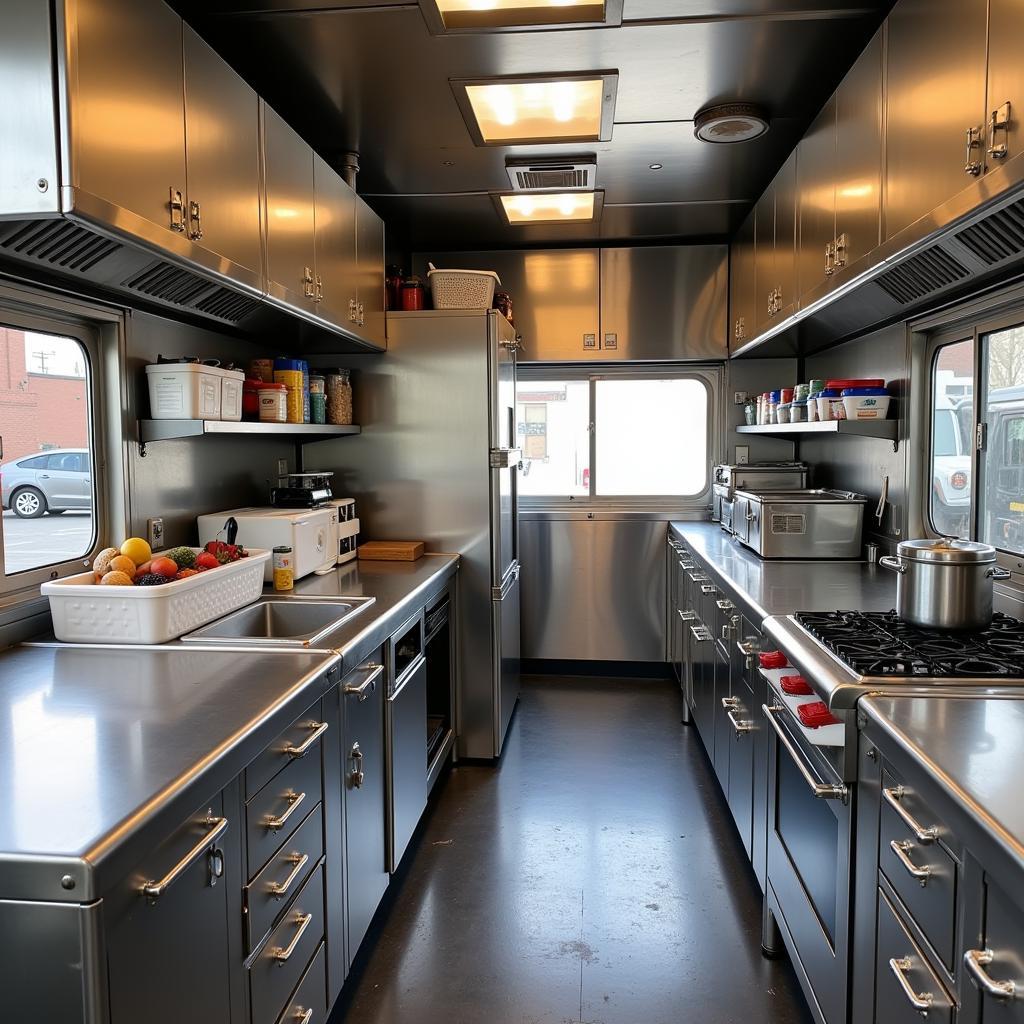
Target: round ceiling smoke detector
730 122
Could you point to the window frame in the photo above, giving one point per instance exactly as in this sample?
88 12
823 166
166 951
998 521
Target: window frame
710 376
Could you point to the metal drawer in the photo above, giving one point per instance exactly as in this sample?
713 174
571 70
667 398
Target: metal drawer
269 892
906 989
920 870
308 1004
274 813
285 749
275 972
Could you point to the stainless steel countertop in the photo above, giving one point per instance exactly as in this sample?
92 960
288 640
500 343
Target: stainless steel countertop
104 748
763 587
972 747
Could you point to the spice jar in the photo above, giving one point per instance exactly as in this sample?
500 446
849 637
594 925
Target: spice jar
273 403
317 407
503 304
339 397
284 568
414 295
393 286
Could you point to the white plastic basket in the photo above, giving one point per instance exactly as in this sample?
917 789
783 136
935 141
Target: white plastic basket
84 611
462 289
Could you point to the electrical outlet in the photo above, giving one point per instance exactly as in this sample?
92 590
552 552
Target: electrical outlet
739 397
742 454
282 467
155 533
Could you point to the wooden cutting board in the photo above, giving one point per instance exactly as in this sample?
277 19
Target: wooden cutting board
391 550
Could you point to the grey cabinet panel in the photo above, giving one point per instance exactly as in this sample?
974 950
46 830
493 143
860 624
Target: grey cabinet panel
935 92
764 256
335 216
664 302
859 154
723 730
370 266
407 759
288 169
785 187
1005 74
1004 935
128 123
223 147
741 284
817 201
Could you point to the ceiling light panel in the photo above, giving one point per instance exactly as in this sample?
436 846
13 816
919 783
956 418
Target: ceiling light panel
550 207
501 15
576 108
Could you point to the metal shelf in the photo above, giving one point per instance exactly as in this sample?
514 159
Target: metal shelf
166 430
886 430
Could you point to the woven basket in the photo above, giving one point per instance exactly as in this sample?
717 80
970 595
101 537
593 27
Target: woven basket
463 289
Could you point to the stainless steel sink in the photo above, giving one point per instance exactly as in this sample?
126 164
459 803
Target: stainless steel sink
294 622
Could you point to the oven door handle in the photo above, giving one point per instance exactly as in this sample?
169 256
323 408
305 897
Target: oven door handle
822 790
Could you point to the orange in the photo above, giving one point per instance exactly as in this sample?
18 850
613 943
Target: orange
122 563
116 579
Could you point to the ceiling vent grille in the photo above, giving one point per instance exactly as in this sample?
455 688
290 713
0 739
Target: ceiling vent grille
927 272
58 243
574 173
998 237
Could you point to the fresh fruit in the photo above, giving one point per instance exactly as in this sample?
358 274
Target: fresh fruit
137 550
152 579
225 553
185 557
102 561
164 567
122 563
116 579
206 561
144 569
183 574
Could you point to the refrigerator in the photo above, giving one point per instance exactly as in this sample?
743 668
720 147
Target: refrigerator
437 461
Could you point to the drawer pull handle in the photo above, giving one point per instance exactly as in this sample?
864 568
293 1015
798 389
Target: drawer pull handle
822 790
902 851
282 956
920 1001
894 798
724 604
319 728
357 776
976 960
303 1016
686 616
700 633
708 588
362 691
154 890
740 725
276 823
280 889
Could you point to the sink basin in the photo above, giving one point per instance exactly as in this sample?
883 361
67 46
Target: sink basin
294 622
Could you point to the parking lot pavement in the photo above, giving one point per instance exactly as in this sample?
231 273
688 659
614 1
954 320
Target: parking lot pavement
29 543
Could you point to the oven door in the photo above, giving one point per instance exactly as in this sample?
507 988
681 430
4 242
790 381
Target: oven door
809 877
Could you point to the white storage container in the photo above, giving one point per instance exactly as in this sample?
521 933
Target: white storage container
232 382
185 391
84 611
462 289
866 407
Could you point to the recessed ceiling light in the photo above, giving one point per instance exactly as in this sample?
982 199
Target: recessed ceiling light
550 207
730 122
499 15
539 108
655 167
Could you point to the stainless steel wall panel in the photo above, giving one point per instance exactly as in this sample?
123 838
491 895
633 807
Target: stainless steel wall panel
592 589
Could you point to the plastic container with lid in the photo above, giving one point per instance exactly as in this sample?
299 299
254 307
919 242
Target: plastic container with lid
184 391
798 412
782 412
773 406
866 403
412 294
289 372
786 395
273 403
811 405
317 407
795 686
339 397
830 406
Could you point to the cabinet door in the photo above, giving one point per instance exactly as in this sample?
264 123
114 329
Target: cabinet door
370 269
741 284
723 729
816 157
935 93
288 168
1004 940
740 736
128 107
222 135
663 301
764 256
785 237
335 216
168 954
1005 76
859 156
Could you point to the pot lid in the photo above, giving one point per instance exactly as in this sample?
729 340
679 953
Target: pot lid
946 549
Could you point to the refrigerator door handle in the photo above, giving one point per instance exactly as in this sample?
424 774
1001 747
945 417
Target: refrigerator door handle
511 575
506 458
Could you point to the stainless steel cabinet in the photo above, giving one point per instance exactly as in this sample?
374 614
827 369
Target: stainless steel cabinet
775 247
291 256
742 306
223 163
1005 81
370 271
935 96
817 202
127 102
334 212
740 735
764 257
664 302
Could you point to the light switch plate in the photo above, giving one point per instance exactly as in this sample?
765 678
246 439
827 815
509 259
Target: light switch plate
742 454
155 533
739 397
282 467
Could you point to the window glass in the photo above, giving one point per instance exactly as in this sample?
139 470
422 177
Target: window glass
47 499
651 436
553 429
952 379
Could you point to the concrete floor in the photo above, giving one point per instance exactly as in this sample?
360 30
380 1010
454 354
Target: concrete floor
595 876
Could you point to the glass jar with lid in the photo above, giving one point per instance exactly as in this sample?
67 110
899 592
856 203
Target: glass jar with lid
339 397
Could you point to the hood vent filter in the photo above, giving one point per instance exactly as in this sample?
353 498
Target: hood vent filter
927 272
58 243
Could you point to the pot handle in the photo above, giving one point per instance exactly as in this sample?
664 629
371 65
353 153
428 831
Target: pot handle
997 573
892 563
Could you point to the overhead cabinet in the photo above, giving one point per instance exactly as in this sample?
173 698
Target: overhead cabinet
775 248
741 283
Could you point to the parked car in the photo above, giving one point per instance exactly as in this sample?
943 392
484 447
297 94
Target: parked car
1004 475
52 481
951 471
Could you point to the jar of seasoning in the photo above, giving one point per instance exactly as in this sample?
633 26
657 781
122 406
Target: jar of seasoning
393 286
414 295
750 413
273 403
339 397
503 304
773 407
284 568
289 372
317 407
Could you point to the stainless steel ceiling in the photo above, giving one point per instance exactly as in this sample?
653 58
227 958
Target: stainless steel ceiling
367 75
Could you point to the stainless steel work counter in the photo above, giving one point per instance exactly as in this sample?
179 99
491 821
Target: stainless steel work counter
763 587
102 749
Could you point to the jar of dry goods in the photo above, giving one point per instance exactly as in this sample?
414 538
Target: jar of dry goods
339 397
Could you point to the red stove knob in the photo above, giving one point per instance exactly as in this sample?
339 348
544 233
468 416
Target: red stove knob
815 715
795 686
773 659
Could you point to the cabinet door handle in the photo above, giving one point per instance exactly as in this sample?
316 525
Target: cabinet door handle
276 823
318 295
822 790
319 728
974 137
303 1016
839 252
153 890
724 604
282 956
894 798
739 725
362 691
976 960
357 775
177 207
708 588
999 121
830 251
922 1002
746 648
902 851
308 286
686 616
280 889
195 219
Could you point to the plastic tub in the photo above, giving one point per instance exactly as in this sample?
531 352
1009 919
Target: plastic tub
462 289
186 391
782 412
830 406
798 412
811 406
231 386
866 403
